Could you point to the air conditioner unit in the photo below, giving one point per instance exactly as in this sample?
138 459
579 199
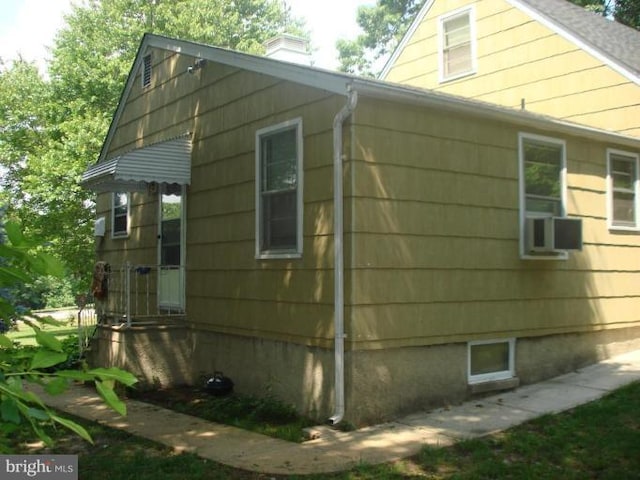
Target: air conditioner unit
553 234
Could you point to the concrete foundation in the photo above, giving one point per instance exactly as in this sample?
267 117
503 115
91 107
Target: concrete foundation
380 384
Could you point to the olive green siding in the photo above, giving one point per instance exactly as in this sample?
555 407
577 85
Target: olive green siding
431 210
228 289
436 236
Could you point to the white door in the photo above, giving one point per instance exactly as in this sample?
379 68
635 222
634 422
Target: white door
171 277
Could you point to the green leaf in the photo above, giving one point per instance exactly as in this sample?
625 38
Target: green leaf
14 233
46 359
12 275
41 435
9 410
110 397
116 374
48 340
5 342
45 264
49 320
75 375
38 414
56 386
73 426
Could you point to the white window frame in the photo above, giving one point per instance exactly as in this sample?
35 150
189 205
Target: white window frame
120 234
296 251
631 157
465 11
493 376
146 71
524 214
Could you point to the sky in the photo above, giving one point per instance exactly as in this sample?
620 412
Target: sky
29 26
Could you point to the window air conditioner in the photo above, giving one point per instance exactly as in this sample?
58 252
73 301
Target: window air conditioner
553 234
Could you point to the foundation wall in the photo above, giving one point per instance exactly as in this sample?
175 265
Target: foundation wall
380 384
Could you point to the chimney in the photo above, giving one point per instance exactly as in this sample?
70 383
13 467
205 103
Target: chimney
288 48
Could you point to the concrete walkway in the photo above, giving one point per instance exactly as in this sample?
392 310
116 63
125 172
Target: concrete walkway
336 451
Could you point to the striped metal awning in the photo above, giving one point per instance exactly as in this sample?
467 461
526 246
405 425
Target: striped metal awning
168 161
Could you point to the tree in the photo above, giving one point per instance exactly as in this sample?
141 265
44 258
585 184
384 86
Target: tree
628 13
20 366
53 129
383 25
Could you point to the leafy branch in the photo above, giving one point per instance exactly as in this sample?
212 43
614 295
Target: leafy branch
22 367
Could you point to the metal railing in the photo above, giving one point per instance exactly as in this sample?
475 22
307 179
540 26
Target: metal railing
139 293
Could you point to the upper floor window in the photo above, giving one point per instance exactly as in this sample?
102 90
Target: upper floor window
622 190
146 71
457 45
279 190
120 214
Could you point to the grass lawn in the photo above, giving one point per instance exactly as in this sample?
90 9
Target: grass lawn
25 335
598 440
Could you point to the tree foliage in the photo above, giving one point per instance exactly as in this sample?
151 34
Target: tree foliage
383 25
52 128
23 366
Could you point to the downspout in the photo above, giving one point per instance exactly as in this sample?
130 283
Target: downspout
338 235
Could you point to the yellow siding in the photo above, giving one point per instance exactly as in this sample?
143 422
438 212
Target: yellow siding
519 60
435 236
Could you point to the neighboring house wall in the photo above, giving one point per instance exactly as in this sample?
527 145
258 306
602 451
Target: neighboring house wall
520 59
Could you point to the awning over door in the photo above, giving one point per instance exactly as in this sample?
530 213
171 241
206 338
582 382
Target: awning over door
164 162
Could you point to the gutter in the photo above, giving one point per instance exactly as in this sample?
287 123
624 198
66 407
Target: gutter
338 235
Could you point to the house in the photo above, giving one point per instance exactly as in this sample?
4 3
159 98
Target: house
357 248
546 56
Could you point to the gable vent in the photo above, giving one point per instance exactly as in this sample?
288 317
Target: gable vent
146 71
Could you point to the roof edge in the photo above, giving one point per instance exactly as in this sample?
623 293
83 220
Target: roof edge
570 36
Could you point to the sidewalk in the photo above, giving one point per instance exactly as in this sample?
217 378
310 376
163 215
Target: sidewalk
336 451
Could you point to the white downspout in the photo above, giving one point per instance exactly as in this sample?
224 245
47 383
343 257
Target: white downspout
338 235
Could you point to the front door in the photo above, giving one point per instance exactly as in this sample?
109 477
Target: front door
171 275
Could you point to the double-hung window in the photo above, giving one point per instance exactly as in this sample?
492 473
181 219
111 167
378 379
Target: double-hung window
279 190
542 179
622 190
120 214
457 46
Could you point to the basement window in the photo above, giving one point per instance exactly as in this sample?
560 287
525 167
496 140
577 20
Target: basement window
491 360
146 71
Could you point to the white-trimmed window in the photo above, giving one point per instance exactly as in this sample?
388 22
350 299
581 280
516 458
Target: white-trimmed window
622 190
279 190
146 71
491 360
457 44
120 214
542 180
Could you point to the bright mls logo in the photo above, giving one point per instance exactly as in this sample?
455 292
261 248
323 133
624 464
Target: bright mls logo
49 467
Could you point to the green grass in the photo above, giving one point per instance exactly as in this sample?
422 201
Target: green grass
598 440
25 335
